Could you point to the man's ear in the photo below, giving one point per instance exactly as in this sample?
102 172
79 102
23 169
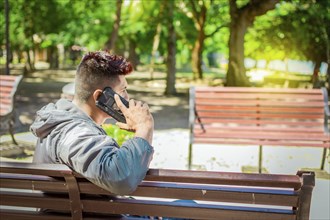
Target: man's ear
96 94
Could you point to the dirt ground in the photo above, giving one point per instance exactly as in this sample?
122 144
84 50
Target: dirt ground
45 86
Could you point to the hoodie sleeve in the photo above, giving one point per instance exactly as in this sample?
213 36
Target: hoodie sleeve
98 157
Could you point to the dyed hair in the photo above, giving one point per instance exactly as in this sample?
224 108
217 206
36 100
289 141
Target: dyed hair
96 69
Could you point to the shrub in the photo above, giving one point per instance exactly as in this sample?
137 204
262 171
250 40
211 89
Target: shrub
116 133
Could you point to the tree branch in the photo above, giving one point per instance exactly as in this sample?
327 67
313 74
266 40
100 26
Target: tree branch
194 10
216 30
258 7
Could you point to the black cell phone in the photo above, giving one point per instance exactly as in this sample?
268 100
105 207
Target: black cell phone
107 103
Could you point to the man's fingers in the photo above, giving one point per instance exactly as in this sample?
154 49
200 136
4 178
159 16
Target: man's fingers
123 126
120 104
145 105
132 102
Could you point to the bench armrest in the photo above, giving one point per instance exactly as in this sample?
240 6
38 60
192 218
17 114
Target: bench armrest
326 109
326 102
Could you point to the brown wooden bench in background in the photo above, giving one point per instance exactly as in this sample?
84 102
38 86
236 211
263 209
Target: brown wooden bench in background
216 195
8 88
259 116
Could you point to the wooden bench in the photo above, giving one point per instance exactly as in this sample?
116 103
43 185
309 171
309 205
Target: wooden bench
8 88
216 195
259 116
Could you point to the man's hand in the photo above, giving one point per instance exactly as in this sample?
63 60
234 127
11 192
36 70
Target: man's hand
138 118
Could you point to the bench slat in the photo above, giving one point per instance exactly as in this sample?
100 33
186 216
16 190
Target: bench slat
59 186
262 122
258 128
31 215
257 90
258 96
168 190
6 89
184 210
268 103
261 135
220 196
271 109
5 101
34 200
258 142
258 115
55 170
212 177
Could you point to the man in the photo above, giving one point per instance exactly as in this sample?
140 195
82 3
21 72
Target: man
70 133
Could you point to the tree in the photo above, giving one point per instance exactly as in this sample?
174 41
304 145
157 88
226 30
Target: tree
302 32
202 13
140 19
171 50
7 37
30 23
307 31
110 44
155 46
242 18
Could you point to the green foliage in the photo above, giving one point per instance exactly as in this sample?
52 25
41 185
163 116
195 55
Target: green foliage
116 133
295 29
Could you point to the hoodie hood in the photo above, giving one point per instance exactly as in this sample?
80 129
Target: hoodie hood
52 115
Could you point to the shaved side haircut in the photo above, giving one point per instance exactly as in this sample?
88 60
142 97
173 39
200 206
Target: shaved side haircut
95 69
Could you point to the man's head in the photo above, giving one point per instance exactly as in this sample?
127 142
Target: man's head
98 70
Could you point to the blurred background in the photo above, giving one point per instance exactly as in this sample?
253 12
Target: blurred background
270 43
172 44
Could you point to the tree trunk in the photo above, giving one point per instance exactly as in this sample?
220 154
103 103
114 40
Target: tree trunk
241 19
28 65
133 57
236 69
315 77
7 38
53 58
32 59
155 46
197 58
199 21
110 44
171 51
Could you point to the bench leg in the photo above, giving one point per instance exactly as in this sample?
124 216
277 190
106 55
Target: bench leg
11 130
308 181
260 159
190 156
323 158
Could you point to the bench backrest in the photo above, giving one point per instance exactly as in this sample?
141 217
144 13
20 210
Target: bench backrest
8 87
276 116
217 195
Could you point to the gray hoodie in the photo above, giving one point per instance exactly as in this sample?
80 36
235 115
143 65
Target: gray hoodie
67 135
